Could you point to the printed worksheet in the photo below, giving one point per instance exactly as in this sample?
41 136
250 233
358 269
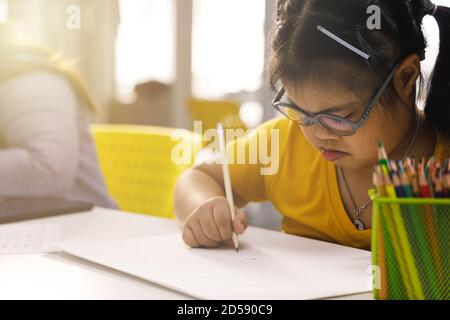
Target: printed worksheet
28 239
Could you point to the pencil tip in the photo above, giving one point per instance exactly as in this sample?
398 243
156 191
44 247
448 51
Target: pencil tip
237 249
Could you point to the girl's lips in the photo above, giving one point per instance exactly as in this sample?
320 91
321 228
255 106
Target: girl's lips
333 155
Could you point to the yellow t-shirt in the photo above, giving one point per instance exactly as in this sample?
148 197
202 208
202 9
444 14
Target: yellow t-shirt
305 188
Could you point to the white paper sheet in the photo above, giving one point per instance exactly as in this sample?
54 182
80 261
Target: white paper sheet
28 239
270 265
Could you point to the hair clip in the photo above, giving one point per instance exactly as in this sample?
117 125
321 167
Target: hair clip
343 42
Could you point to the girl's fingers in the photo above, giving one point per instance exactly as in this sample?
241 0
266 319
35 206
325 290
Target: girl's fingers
201 237
240 224
210 229
189 237
222 218
211 225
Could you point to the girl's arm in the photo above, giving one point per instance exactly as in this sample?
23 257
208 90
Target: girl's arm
38 126
200 204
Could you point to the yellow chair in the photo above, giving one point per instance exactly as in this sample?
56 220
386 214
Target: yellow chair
211 112
138 166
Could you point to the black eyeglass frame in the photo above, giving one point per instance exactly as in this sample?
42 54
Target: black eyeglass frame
314 118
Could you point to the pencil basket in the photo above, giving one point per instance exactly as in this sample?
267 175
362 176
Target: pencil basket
411 248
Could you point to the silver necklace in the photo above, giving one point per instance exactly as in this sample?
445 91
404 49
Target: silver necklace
357 211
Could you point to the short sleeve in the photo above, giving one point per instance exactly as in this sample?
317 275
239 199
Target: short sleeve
253 158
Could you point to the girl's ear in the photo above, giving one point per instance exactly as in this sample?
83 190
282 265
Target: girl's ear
406 76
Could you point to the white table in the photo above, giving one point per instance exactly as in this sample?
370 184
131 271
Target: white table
61 276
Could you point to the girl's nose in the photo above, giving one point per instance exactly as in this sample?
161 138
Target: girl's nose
322 133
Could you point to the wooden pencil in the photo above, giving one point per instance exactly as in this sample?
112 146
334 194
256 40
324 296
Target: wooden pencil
227 181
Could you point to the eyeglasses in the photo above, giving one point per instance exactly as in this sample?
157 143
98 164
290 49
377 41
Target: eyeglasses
336 124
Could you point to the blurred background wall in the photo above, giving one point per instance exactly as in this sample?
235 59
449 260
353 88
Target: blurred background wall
145 59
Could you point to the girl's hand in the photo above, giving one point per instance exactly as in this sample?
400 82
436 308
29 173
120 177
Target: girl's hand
210 225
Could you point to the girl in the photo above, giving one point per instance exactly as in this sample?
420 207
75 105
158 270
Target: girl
343 87
45 146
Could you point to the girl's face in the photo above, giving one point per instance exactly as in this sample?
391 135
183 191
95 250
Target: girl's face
360 150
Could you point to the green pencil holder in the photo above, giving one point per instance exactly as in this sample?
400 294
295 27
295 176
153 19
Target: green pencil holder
411 248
